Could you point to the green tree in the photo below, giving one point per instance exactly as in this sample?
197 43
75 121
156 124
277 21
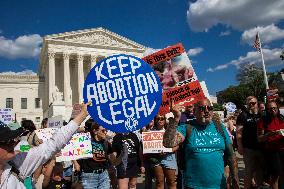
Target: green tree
252 79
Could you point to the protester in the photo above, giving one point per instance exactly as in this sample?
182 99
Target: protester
146 160
206 142
127 149
94 171
248 145
53 176
261 106
269 133
15 167
44 123
164 164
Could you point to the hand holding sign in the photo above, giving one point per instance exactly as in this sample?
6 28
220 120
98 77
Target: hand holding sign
176 110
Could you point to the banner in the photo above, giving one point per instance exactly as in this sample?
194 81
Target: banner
45 134
153 142
125 93
230 107
6 115
77 148
55 122
177 76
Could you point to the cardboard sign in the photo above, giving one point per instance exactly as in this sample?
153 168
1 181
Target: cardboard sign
186 94
55 122
46 133
125 93
77 148
177 76
6 115
153 142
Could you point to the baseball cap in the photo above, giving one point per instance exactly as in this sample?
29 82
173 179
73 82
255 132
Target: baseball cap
7 135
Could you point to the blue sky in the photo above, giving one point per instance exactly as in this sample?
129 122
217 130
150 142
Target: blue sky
218 34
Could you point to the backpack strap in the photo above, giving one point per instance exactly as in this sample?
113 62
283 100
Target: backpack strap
188 132
14 171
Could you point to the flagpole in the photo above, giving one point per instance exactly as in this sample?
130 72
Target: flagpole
263 65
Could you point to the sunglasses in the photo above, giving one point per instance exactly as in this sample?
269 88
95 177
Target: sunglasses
252 103
273 108
160 118
204 108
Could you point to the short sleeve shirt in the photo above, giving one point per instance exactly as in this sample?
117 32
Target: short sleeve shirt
204 151
249 133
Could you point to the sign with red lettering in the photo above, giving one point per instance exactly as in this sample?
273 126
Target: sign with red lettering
153 142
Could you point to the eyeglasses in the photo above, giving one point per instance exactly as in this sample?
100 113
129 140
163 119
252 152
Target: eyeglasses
252 103
204 108
273 108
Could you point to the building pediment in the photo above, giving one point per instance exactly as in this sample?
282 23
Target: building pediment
95 37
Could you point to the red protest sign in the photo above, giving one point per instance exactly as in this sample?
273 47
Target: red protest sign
188 94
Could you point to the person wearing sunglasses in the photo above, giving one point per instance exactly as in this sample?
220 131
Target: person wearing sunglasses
15 166
269 133
248 145
205 140
94 171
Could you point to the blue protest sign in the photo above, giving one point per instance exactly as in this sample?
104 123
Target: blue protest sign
231 107
125 91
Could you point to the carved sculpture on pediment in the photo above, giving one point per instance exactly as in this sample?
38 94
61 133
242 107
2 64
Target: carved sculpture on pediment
56 95
99 39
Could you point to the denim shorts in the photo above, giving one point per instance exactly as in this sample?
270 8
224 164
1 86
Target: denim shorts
168 161
96 180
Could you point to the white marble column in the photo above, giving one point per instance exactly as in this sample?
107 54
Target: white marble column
66 80
93 60
80 74
51 75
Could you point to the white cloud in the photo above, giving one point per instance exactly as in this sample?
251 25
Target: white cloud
195 51
271 58
25 72
225 33
150 51
238 14
267 34
26 46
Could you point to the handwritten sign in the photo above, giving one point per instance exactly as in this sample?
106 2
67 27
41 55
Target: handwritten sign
153 142
55 122
45 134
125 93
6 115
77 148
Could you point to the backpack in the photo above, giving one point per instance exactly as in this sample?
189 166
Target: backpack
219 129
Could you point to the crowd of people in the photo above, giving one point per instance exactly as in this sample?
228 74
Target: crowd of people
204 148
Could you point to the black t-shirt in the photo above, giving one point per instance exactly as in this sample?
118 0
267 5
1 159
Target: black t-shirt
99 161
249 133
63 184
131 141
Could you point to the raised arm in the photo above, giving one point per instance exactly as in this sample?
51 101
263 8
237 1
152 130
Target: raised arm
171 137
30 161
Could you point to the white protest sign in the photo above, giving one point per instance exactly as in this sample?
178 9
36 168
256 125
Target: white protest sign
55 122
153 142
6 115
45 134
230 107
78 147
